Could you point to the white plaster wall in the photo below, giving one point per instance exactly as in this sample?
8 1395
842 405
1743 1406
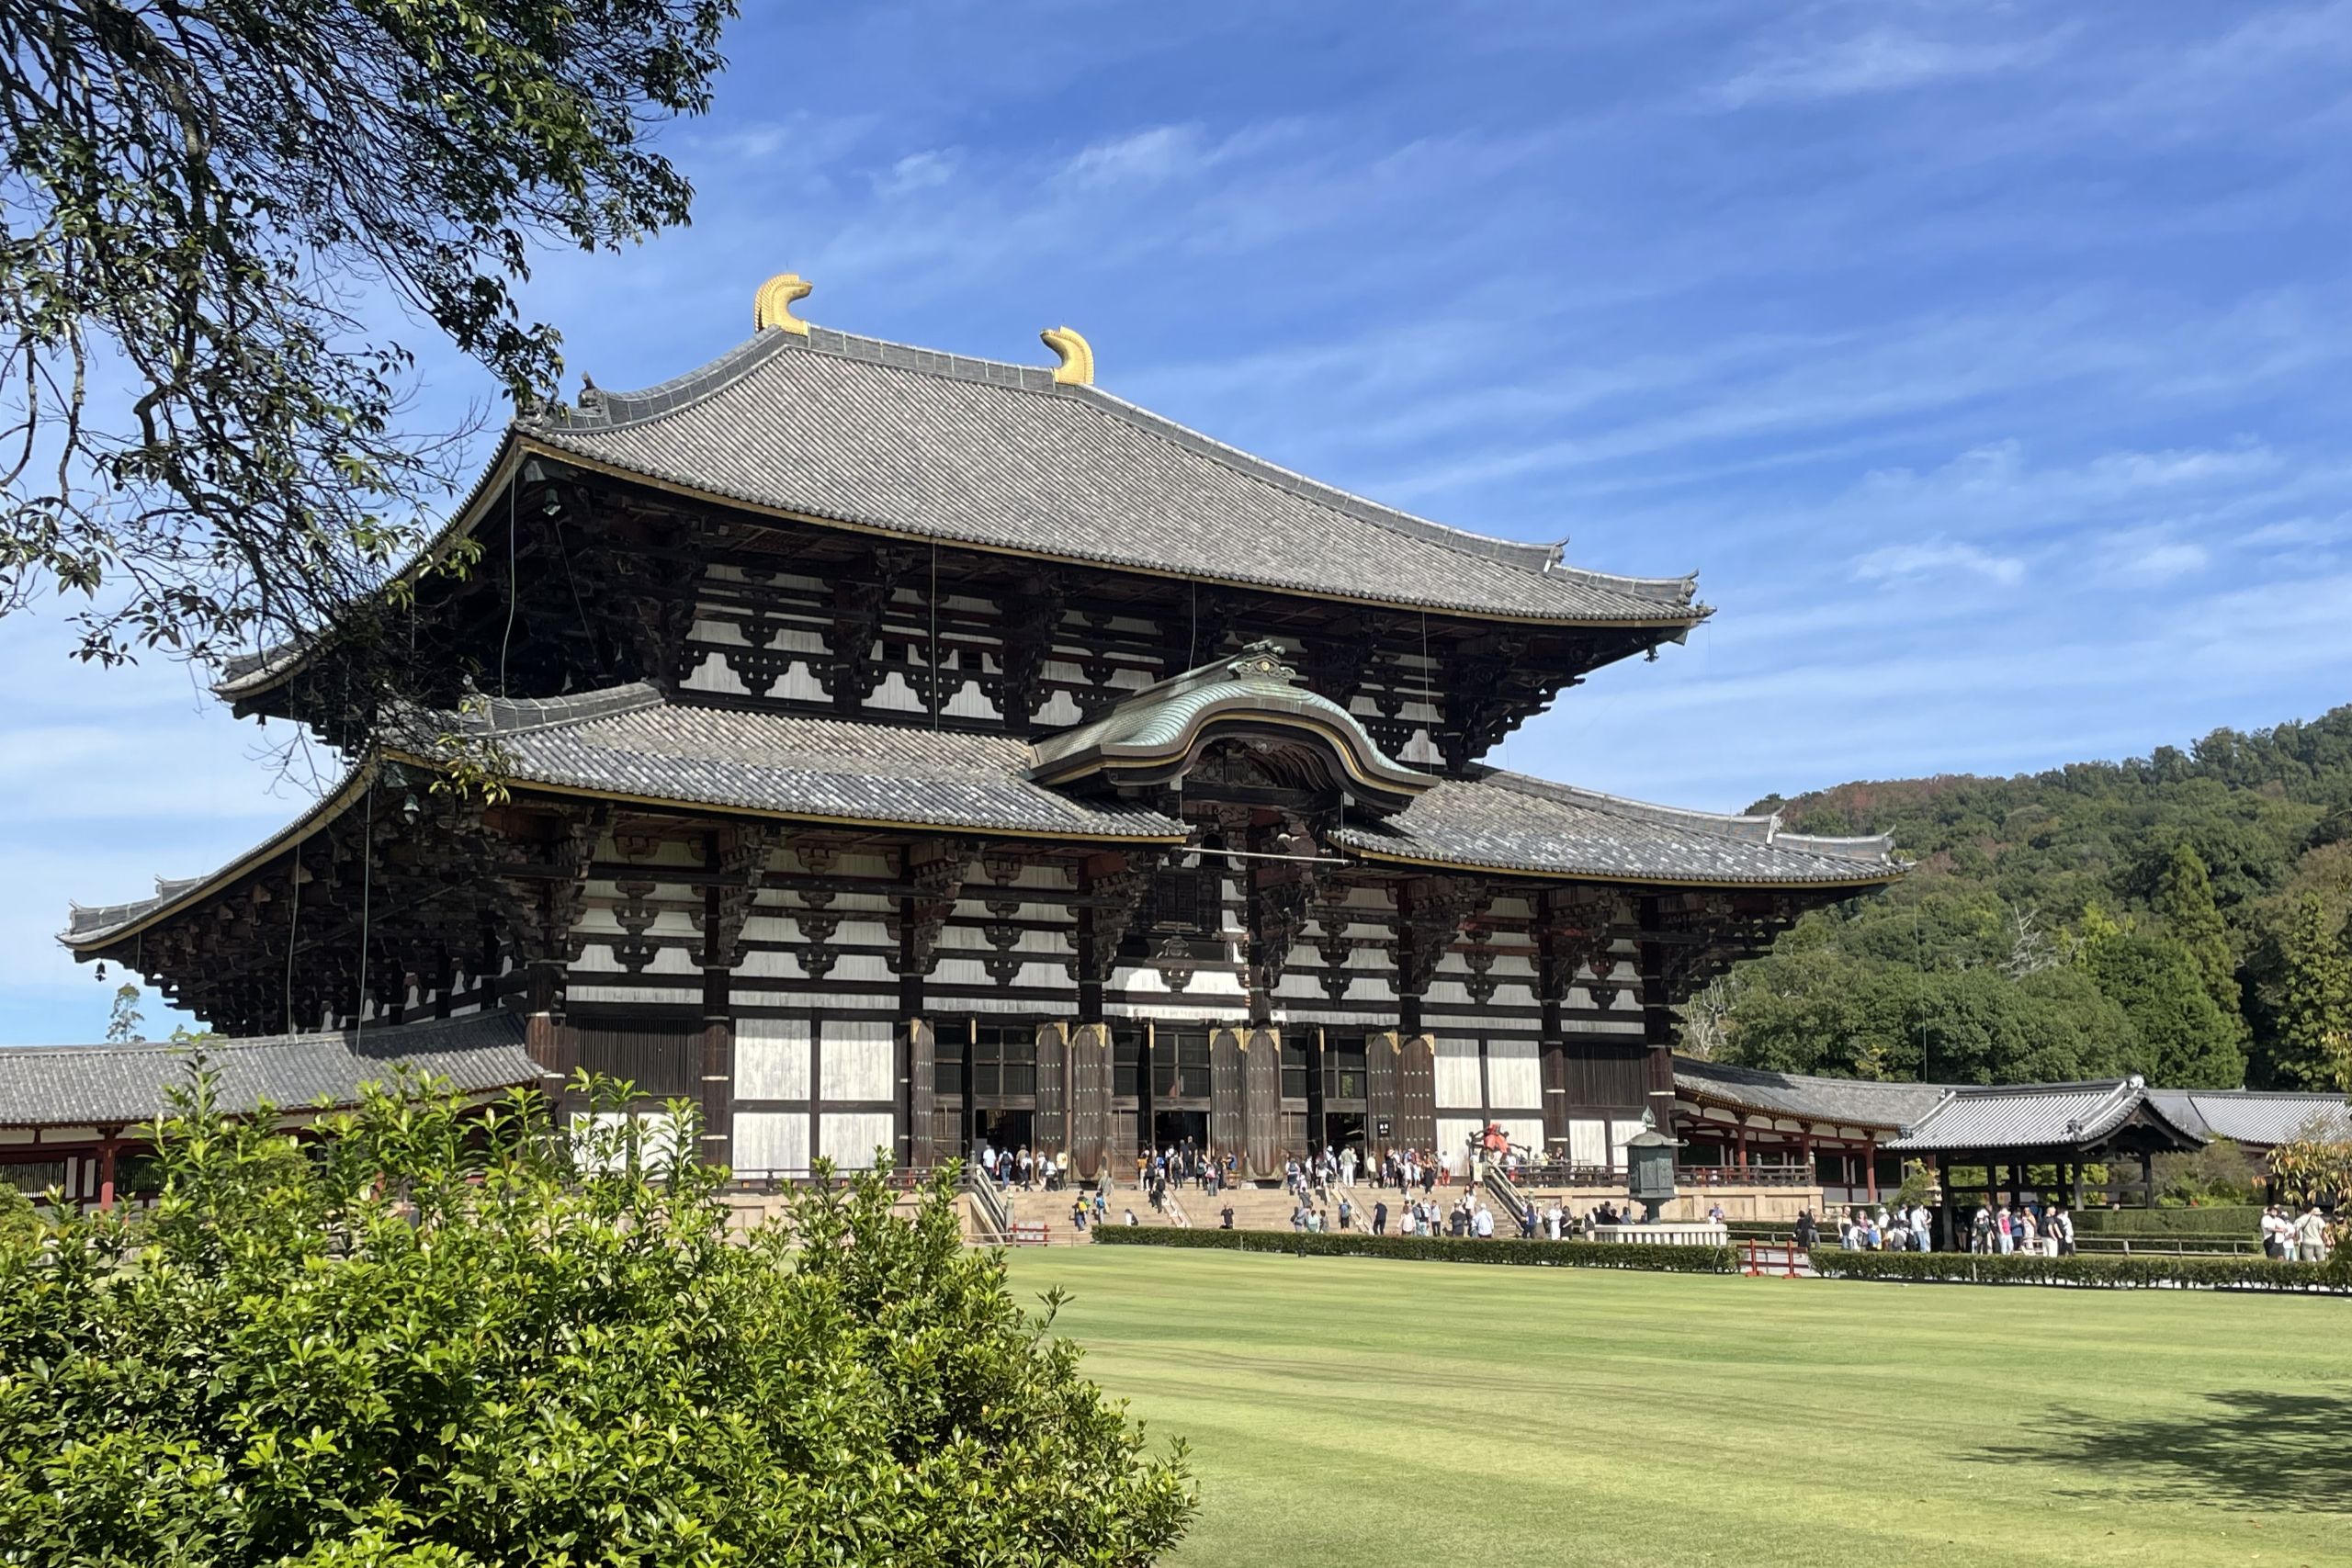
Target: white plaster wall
1514 1076
771 1059
770 1141
859 1061
1457 1074
849 1138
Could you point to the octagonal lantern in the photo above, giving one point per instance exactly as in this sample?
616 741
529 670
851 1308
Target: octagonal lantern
1649 1169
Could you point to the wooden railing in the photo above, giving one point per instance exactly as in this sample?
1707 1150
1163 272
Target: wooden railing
1745 1175
988 1207
1559 1173
1507 1197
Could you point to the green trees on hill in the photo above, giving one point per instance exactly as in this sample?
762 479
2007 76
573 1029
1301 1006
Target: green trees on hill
2187 917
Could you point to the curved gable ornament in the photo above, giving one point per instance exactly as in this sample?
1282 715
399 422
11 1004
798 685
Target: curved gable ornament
1154 736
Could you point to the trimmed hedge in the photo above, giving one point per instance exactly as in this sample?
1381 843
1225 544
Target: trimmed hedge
1436 1249
2240 1221
2104 1273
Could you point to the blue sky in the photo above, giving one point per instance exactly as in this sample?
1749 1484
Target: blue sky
1987 360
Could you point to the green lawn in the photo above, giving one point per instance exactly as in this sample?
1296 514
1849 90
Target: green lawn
1393 1414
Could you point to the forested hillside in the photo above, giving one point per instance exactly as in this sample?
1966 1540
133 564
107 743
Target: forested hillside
2188 916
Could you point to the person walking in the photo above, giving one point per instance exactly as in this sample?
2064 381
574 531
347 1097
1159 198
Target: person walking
2311 1236
1380 1216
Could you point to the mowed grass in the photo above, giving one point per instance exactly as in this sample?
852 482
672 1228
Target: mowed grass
1391 1415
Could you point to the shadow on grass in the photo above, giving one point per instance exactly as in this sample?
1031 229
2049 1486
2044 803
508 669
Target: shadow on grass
2249 1445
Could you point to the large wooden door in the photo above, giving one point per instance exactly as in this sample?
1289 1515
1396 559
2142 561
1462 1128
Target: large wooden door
1050 1126
1380 1108
921 1057
1417 1092
1228 1095
1089 1099
1261 1104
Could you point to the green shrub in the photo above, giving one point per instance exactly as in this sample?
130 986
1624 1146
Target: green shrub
440 1339
2240 1221
1438 1249
2113 1272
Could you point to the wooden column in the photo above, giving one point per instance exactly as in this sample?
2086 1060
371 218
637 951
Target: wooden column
1944 1209
544 1034
1870 1169
1317 1131
2147 1179
1657 1023
717 1023
910 969
107 1147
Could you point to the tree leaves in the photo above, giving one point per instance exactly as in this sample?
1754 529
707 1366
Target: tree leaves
205 207
440 1335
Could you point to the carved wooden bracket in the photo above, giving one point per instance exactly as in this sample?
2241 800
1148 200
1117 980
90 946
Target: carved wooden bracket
851 675
936 880
1429 913
743 855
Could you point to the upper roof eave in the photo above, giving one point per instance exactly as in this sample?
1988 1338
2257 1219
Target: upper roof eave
563 434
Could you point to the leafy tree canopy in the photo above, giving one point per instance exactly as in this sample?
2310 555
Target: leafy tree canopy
2148 916
434 1338
200 433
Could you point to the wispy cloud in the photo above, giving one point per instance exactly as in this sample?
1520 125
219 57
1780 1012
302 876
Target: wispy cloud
917 171
1879 59
1143 157
2151 556
1937 557
1990 360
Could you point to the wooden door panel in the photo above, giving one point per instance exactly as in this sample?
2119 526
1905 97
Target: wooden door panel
1227 1094
1417 1092
1089 1099
1049 1125
1261 1104
1380 1108
922 1097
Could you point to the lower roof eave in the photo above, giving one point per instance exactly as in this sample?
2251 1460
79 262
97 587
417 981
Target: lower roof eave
672 803
1634 879
294 834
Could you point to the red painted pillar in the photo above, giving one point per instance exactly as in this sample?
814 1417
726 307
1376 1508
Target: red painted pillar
1870 1167
105 1173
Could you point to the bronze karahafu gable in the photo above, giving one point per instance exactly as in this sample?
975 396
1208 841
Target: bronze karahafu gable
1153 739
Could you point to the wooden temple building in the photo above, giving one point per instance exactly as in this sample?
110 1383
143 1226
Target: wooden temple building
901 750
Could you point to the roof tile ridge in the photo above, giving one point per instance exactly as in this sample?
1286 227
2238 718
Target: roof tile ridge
1725 823
523 715
1540 559
599 410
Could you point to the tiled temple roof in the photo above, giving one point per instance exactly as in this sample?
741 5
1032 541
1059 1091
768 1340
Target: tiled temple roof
1854 1102
630 743
1509 822
114 1086
936 445
2027 1116
2257 1118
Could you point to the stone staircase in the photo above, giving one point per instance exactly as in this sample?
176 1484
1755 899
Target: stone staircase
1270 1208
